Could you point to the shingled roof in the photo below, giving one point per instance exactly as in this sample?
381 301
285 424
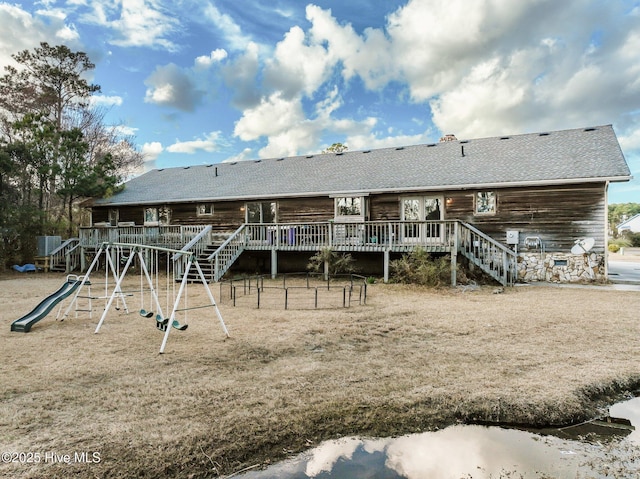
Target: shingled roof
556 157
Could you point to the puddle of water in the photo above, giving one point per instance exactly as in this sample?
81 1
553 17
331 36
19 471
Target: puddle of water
477 452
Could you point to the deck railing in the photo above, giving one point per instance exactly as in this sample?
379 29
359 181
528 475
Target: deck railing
342 236
174 237
448 236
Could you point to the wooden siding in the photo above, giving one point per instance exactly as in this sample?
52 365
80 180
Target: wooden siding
557 215
305 210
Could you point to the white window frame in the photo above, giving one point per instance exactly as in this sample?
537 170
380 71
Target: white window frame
204 209
272 205
157 216
340 216
490 202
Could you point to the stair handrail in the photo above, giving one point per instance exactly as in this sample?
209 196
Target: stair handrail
196 239
203 237
61 251
509 257
230 250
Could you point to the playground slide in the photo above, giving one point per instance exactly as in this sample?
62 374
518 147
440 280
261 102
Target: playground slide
24 323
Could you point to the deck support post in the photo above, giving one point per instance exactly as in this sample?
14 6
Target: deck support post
386 266
454 256
274 263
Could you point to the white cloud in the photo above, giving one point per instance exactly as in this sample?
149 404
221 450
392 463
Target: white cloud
228 27
273 116
291 71
244 155
105 100
23 31
169 85
287 129
210 143
241 76
371 140
125 130
205 61
152 150
138 23
368 57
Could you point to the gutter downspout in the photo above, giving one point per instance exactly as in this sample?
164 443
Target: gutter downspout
606 230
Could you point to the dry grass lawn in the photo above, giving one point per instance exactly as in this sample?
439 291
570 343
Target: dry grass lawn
412 359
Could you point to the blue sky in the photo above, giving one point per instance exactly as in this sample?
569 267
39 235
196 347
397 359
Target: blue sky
204 81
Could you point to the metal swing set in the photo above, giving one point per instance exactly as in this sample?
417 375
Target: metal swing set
119 259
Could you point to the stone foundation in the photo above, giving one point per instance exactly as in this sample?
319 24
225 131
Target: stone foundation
561 267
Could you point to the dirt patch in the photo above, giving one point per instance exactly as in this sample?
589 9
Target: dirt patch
411 359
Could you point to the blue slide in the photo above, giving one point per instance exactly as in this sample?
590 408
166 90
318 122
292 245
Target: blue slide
24 323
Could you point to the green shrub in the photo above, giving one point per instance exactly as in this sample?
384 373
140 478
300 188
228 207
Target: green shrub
338 263
634 239
614 245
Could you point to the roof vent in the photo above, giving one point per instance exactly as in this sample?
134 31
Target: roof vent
366 151
186 167
161 169
505 137
309 156
543 134
257 161
339 153
400 148
233 163
464 141
280 159
431 144
209 166
590 129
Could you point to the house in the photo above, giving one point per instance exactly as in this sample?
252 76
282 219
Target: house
631 225
513 206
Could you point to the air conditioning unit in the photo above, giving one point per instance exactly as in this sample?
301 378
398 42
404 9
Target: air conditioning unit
46 244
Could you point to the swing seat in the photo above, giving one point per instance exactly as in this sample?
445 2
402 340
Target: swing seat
161 323
180 327
146 314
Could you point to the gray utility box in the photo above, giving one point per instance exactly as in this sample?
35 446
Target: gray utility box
46 244
513 237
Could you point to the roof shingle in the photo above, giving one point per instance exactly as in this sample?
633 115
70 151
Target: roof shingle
567 156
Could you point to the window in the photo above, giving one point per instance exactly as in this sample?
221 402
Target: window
485 203
350 206
157 216
113 217
151 216
262 212
205 209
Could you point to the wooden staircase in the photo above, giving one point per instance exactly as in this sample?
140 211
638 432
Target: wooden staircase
491 256
206 266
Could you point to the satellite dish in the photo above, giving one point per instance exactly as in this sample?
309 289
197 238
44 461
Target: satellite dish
583 245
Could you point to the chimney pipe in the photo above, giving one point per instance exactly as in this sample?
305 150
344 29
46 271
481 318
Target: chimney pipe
216 171
462 148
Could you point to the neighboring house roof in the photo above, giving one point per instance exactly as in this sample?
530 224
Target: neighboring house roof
632 224
558 157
